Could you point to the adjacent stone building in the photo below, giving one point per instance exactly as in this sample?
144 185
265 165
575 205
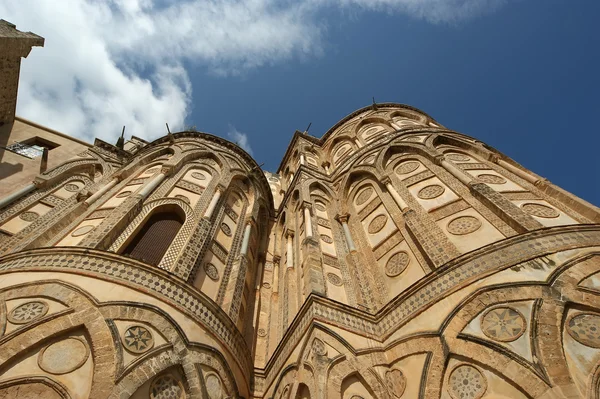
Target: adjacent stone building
390 258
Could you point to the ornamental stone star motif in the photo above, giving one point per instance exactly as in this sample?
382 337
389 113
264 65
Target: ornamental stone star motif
138 339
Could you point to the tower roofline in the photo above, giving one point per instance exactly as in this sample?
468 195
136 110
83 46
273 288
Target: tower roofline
345 119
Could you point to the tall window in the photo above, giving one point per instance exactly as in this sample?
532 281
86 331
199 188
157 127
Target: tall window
152 241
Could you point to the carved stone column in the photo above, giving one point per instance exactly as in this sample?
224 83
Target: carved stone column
238 275
343 219
307 220
213 202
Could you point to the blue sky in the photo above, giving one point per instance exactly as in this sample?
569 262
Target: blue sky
520 75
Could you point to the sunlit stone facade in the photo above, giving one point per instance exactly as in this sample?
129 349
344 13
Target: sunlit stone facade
391 258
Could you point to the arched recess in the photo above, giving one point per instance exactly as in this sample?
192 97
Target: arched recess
371 129
406 119
341 148
152 241
181 213
303 392
378 225
338 283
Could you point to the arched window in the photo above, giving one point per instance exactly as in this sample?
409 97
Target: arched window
152 241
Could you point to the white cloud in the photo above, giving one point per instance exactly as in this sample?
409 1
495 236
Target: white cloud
239 138
120 62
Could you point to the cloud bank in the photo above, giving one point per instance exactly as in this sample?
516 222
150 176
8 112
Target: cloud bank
120 62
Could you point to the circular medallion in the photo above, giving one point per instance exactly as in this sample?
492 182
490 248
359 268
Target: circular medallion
503 324
458 157
397 263
407 167
463 225
585 329
334 279
326 238
431 192
466 382
491 179
64 356
198 176
320 207
319 347
539 210
28 311
226 229
395 382
211 271
266 286
377 224
29 216
123 194
83 230
137 339
262 332
166 387
72 187
364 196
273 179
213 387
183 198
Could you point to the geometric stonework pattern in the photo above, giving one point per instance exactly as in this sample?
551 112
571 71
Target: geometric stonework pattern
503 324
397 263
395 382
64 356
466 382
463 225
407 167
166 387
27 312
29 216
540 210
334 279
364 196
137 339
377 224
585 329
491 179
211 271
430 192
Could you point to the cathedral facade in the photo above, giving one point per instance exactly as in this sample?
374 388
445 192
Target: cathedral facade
391 258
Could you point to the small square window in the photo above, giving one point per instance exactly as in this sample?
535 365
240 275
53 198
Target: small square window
32 148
